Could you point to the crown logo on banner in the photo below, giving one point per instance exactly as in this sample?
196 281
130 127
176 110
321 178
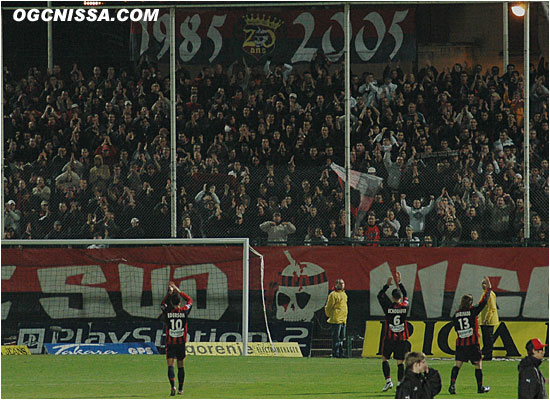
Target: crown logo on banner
272 23
260 34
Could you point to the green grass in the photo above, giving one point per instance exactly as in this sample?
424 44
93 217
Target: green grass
127 376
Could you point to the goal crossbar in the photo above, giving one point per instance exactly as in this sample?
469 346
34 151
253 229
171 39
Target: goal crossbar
78 242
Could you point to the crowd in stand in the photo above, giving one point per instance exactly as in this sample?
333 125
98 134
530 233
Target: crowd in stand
87 154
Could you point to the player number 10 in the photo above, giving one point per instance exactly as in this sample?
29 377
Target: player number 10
176 324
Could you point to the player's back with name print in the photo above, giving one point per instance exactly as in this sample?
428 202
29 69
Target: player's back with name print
176 325
176 315
466 326
396 321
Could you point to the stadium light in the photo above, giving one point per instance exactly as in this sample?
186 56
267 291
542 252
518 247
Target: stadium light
518 10
93 3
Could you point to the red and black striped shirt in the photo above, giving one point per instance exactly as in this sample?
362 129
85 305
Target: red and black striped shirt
466 324
176 320
395 327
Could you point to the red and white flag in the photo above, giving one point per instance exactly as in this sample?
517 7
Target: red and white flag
368 186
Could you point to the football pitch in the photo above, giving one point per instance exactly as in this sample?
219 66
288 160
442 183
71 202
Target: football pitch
134 376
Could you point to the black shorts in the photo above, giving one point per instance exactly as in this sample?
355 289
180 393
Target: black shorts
470 353
398 347
175 351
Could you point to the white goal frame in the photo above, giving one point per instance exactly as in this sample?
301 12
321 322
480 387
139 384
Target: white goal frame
245 242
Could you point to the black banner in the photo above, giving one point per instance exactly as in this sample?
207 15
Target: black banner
287 35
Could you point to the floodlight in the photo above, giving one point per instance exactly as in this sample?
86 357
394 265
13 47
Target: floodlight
518 10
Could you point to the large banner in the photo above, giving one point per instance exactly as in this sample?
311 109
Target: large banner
283 34
129 283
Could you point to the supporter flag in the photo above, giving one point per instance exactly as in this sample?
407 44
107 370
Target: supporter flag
368 186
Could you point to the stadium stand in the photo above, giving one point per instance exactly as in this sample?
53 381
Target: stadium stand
87 153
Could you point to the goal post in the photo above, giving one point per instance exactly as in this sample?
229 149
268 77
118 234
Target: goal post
218 247
246 294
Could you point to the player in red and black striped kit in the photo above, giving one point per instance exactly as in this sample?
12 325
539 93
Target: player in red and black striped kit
175 316
396 332
467 341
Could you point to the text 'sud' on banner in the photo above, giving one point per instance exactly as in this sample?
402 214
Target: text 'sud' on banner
282 34
53 286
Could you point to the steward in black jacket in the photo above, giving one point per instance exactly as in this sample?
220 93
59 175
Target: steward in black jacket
531 381
420 382
419 386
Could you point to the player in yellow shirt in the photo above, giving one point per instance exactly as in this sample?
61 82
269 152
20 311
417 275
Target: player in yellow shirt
489 321
336 310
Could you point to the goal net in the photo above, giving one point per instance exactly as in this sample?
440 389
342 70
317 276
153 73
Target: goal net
111 290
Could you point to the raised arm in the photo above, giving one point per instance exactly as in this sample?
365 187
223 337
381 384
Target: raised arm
401 288
215 198
383 298
404 204
480 195
483 302
387 159
466 198
163 303
399 284
426 210
480 167
265 226
200 195
287 69
188 300
289 227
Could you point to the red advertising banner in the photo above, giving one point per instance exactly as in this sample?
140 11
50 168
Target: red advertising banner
122 282
282 34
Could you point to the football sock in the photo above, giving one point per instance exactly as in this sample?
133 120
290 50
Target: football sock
454 374
400 371
479 377
386 369
171 376
181 377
